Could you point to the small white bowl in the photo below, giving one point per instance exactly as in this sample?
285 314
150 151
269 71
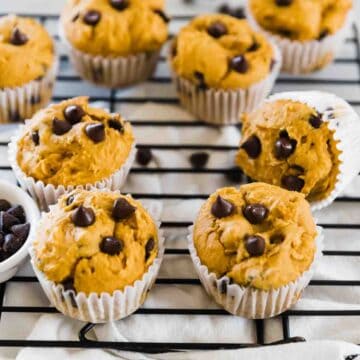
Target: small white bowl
17 196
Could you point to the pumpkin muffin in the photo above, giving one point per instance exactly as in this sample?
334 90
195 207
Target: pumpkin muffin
27 67
114 42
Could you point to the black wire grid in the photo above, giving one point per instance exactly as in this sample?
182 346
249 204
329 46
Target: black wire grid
112 98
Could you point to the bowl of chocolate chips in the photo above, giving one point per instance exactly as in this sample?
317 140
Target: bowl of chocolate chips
18 216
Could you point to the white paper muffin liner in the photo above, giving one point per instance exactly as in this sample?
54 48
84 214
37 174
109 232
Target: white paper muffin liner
301 57
48 194
344 121
224 107
249 302
105 307
22 102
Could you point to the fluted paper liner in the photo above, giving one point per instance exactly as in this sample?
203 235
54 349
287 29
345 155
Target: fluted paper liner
224 107
105 307
22 102
250 302
47 194
301 57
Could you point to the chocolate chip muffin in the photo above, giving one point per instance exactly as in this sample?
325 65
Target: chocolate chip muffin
114 42
251 243
27 67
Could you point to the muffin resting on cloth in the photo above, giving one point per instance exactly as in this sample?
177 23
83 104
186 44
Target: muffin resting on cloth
286 143
222 52
98 241
259 235
72 143
26 51
301 20
113 28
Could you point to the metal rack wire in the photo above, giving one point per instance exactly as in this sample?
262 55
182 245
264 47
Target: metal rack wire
114 99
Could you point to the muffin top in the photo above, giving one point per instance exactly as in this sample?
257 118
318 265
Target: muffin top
115 27
287 143
26 51
258 235
72 143
220 51
95 241
301 19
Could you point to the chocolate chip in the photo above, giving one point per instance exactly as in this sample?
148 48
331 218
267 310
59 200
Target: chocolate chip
149 247
255 213
284 146
35 137
235 174
283 2
21 230
74 113
255 245
18 38
297 168
239 64
222 208
83 216
12 244
323 34
143 156
111 245
315 120
35 99
18 212
238 12
70 200
116 125
285 32
95 132
277 239
4 205
293 183
7 221
217 29
252 146
200 80
255 46
60 127
119 4
161 13
122 209
92 17
199 160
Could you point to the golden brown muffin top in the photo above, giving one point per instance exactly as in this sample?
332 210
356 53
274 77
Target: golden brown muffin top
72 143
112 28
26 51
95 241
259 235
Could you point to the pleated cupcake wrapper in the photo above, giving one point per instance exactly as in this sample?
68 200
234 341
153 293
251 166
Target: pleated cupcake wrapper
344 121
249 302
300 57
19 103
47 194
105 307
224 107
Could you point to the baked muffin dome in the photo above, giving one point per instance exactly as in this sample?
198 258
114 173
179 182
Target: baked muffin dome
26 51
95 241
286 143
301 19
259 235
113 28
72 143
220 51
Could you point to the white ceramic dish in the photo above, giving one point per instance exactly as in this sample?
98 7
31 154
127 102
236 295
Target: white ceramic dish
17 196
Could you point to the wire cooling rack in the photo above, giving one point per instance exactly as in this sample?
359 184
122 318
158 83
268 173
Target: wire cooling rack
342 77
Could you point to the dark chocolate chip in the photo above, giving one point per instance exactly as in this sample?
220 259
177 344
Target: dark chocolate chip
285 32
315 120
284 147
4 205
70 200
255 213
222 208
95 132
92 17
116 125
122 209
235 174
21 230
297 168
252 146
18 37
255 46
199 160
7 221
111 245
119 4
74 113
239 64
323 34
12 244
161 13
238 13
143 156
283 2
83 216
18 212
217 29
224 9
277 239
255 245
293 183
60 127
200 80
35 99
149 247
